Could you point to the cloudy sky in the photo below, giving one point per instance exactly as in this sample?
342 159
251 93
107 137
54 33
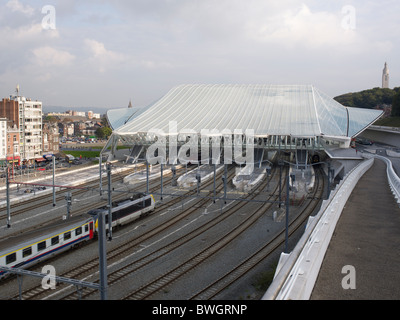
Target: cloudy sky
104 53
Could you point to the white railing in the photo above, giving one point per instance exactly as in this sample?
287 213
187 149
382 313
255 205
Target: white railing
394 180
297 272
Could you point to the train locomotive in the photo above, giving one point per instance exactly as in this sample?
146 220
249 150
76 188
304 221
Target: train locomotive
30 248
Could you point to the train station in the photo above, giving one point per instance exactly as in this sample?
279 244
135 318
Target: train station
260 166
218 124
298 120
282 117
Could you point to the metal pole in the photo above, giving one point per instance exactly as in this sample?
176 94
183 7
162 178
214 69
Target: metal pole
198 178
280 182
109 202
100 175
287 215
225 180
215 173
20 278
174 182
54 179
68 197
162 173
147 177
8 197
329 181
102 256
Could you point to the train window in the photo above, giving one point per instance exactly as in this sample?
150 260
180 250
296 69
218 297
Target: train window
11 258
26 252
86 228
67 235
41 246
78 231
55 240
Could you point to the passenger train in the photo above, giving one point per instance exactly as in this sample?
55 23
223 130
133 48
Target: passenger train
25 250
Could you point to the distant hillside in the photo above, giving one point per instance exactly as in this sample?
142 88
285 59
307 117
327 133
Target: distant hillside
368 98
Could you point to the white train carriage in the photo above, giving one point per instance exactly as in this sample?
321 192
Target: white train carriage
28 249
126 210
32 247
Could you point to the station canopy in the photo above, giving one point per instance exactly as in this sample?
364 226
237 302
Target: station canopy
118 117
269 110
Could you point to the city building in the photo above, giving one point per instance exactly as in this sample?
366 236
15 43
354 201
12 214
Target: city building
13 153
27 116
9 109
78 114
58 114
385 77
50 138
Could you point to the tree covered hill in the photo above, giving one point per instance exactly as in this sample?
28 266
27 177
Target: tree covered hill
368 98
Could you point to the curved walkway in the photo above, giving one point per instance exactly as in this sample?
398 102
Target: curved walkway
367 237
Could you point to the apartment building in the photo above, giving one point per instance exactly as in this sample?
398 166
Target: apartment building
27 116
13 144
50 138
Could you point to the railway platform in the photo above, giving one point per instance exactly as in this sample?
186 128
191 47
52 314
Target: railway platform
74 177
361 262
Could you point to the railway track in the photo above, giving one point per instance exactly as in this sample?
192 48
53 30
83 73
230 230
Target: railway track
161 282
223 282
128 247
126 270
45 200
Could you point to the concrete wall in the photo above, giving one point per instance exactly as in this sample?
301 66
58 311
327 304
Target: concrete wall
387 137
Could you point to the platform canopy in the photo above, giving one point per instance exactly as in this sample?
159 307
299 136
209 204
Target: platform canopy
300 111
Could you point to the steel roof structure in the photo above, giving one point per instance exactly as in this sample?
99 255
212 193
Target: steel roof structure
299 111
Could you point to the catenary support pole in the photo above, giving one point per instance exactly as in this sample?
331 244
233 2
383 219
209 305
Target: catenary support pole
147 177
102 256
68 198
162 174
225 177
100 175
215 174
109 201
8 197
287 216
54 178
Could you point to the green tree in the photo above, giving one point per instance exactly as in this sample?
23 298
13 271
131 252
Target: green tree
51 119
396 105
368 98
103 132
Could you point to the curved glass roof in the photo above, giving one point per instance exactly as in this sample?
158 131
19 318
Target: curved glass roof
118 117
293 110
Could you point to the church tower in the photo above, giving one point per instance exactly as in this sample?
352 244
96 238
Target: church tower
385 77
